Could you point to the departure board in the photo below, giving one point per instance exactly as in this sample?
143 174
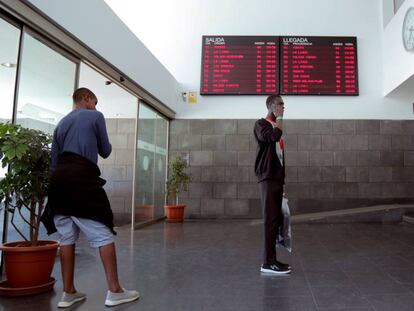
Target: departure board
242 65
318 66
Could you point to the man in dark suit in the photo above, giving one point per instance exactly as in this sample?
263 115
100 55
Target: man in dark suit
270 171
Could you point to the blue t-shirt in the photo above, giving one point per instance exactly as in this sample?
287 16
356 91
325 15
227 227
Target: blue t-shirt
82 132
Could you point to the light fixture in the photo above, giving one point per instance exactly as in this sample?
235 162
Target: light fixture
9 65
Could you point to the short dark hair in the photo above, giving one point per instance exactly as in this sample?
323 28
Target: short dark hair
272 99
83 94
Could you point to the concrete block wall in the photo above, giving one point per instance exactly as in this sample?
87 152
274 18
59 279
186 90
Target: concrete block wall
117 169
330 164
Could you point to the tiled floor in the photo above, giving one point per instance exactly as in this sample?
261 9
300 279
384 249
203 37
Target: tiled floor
215 266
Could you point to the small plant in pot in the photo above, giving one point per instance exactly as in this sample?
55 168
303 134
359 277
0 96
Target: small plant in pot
23 190
177 181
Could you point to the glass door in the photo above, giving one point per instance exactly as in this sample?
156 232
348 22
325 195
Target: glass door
150 165
144 165
9 38
9 52
36 89
160 170
47 80
119 108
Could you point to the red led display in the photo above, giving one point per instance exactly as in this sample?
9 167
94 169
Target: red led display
318 66
240 65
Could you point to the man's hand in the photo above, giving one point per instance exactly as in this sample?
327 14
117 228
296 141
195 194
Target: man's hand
272 123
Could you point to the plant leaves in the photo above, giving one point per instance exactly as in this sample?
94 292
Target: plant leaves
27 154
10 153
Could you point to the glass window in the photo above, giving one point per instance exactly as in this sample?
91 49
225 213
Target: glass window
9 38
46 84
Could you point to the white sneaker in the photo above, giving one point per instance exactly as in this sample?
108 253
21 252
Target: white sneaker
114 299
69 299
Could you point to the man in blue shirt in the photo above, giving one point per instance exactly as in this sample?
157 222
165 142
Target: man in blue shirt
83 132
77 198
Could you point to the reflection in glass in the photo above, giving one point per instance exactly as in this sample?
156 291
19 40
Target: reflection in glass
47 81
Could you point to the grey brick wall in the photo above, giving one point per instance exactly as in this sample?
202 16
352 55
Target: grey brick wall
330 164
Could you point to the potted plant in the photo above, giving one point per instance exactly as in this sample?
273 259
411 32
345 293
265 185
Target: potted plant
177 181
23 190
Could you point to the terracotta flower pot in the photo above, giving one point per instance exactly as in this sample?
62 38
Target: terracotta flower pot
175 213
28 266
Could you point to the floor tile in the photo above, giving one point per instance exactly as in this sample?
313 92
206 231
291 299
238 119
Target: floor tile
400 302
339 297
214 266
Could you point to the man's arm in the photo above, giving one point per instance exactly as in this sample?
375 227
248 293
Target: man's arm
104 146
268 134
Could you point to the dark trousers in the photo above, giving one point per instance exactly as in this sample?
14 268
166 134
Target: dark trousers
271 195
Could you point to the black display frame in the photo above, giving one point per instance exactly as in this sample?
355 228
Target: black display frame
353 38
279 67
277 38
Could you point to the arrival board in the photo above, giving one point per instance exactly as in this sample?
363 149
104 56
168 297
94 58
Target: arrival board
318 66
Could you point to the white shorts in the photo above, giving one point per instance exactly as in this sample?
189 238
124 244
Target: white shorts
69 227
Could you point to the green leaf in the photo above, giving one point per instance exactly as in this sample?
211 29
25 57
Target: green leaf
10 153
20 151
5 148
